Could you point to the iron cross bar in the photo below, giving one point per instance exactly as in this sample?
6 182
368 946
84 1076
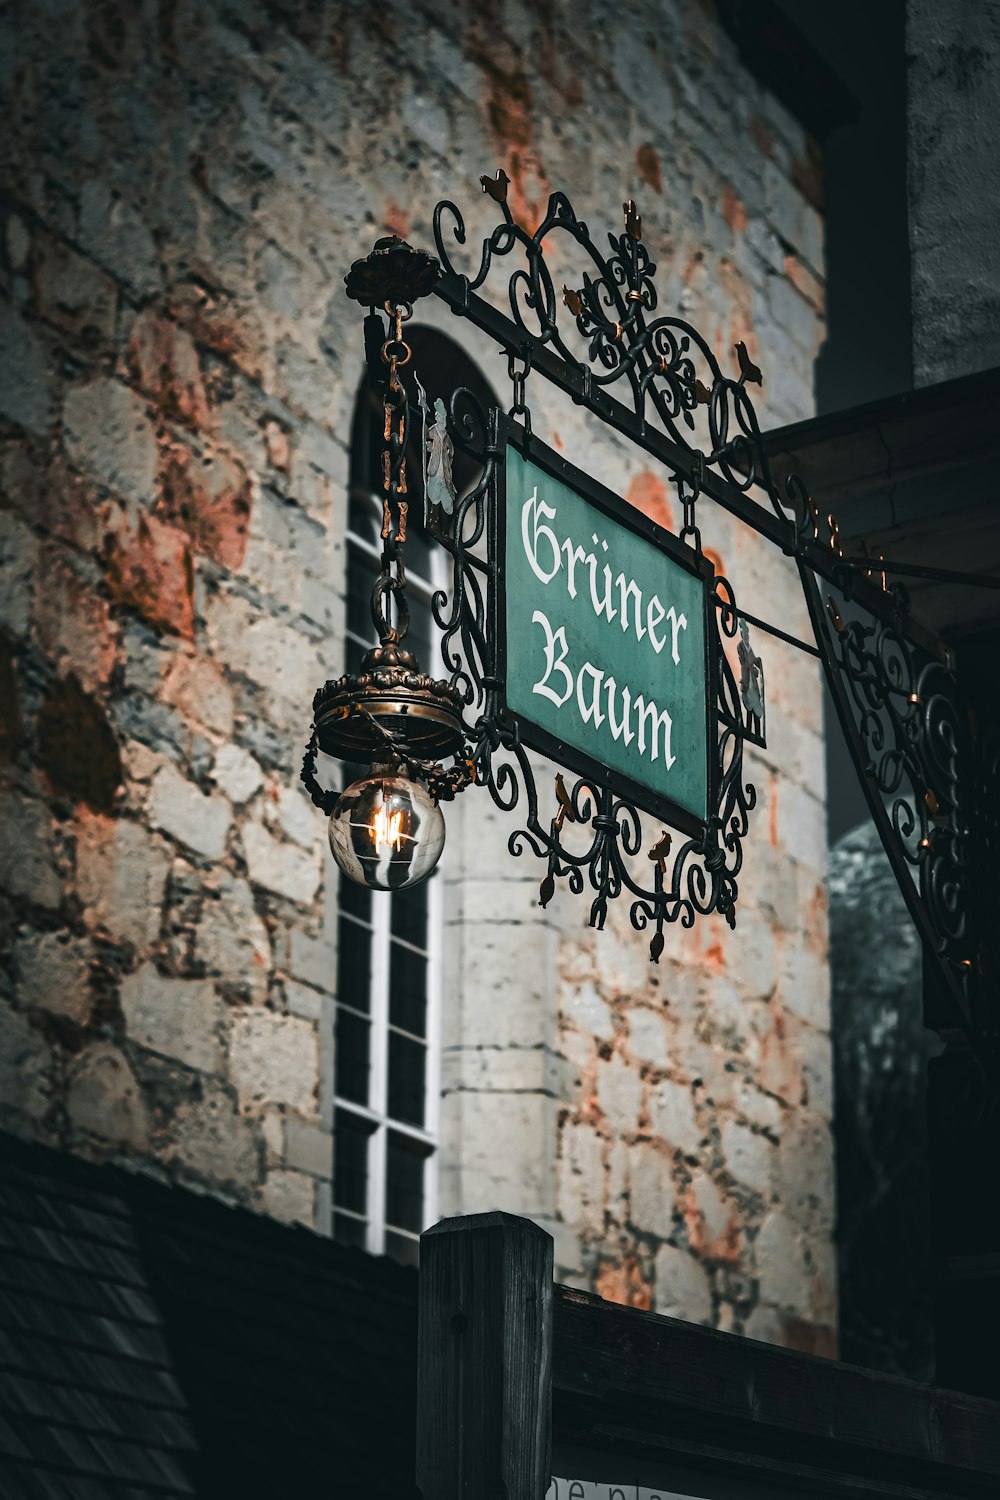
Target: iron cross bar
576 381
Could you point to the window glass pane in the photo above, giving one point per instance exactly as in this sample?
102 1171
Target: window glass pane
348 1231
354 654
407 989
421 639
354 898
406 1079
408 918
364 515
418 541
402 1248
354 962
361 574
404 1182
350 1161
355 770
421 635
352 1046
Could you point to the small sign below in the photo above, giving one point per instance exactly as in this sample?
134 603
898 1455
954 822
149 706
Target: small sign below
588 1489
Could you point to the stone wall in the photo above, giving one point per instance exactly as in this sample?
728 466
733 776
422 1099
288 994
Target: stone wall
178 367
953 161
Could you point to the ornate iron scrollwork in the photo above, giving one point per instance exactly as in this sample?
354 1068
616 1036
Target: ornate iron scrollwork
931 789
647 375
668 370
663 364
704 871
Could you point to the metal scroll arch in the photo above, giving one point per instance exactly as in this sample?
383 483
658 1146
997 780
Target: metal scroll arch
897 699
655 361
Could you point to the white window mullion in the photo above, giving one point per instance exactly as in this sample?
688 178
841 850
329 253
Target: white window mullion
379 1084
375 1244
432 1075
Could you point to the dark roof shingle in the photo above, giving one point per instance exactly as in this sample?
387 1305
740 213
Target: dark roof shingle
154 1342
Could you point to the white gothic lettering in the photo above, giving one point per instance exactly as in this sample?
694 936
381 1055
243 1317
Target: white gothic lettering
582 688
548 557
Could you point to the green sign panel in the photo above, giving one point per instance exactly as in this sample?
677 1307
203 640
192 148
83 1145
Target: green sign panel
606 660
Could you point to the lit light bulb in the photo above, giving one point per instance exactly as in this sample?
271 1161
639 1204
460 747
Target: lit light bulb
386 831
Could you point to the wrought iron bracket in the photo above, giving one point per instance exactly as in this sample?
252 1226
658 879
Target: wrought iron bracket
656 381
933 793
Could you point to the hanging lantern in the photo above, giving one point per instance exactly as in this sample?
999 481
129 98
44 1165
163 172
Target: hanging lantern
386 829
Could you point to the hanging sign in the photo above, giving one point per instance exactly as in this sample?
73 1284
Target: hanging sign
605 642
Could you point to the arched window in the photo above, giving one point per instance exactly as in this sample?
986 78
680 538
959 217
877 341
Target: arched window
387 1043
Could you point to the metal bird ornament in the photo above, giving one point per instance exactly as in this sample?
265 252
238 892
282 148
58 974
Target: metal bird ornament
633 220
565 801
748 370
702 393
496 186
660 850
573 300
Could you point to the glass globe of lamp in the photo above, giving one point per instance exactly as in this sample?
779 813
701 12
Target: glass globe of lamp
386 831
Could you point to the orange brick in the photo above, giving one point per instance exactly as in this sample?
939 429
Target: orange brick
163 362
805 283
148 567
733 210
209 495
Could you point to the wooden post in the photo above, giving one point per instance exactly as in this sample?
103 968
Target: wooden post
484 1368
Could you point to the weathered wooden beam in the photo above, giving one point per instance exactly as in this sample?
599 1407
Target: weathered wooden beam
485 1359
629 1383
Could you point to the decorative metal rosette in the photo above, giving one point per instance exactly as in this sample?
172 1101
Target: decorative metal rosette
394 272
